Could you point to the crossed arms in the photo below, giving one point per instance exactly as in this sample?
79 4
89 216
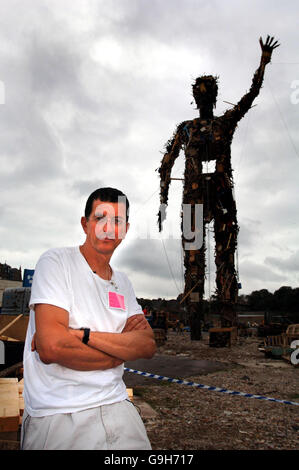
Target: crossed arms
56 343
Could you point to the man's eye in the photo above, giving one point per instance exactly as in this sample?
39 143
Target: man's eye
119 222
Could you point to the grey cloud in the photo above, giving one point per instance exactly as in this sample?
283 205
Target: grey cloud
249 232
153 273
152 258
286 265
259 273
86 187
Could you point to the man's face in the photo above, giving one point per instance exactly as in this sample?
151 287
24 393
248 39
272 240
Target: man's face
106 226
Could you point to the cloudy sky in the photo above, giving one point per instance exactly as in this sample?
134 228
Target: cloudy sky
91 91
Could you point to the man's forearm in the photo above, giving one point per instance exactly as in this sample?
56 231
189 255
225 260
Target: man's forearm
70 352
126 346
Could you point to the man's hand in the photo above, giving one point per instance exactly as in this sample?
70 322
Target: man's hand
267 48
136 322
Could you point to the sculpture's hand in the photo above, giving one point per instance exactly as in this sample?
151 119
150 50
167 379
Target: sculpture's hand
267 48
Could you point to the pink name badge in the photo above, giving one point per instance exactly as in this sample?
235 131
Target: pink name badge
116 300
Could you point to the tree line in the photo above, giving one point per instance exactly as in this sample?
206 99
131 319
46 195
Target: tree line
284 300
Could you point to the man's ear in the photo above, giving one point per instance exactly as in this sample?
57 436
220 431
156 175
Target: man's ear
124 232
84 223
127 227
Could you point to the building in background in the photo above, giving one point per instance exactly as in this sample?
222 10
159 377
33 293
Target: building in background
9 277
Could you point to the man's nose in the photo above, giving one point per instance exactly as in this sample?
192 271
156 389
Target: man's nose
108 226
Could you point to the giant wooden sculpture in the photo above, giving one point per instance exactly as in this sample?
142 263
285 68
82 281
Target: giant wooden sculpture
204 139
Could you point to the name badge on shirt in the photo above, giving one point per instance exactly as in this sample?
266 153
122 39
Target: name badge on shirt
116 300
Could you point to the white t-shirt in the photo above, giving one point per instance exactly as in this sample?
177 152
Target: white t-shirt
63 278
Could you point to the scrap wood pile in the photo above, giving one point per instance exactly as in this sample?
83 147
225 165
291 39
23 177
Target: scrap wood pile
283 345
11 411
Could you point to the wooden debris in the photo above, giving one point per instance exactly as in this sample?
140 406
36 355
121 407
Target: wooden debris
160 336
9 405
279 346
130 393
14 326
10 324
21 399
220 337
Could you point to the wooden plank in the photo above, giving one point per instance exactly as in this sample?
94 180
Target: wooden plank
21 399
18 329
9 406
220 330
8 380
130 393
21 408
21 405
7 338
10 442
11 323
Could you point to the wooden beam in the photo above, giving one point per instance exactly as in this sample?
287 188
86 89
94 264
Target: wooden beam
9 405
10 323
130 393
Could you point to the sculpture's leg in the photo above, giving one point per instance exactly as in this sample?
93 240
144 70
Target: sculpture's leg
194 288
226 231
194 261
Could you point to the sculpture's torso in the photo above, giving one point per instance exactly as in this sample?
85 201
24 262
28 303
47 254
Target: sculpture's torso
207 139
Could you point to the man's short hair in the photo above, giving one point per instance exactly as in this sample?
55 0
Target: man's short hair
106 195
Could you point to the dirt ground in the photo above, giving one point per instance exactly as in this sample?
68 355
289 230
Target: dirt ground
197 419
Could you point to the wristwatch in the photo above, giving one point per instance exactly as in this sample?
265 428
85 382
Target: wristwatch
86 334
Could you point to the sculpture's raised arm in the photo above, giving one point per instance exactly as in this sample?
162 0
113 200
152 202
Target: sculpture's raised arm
240 109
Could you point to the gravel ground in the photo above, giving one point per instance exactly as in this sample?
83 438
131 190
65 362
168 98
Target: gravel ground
198 419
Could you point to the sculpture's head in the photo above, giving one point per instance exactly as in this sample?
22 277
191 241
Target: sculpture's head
205 91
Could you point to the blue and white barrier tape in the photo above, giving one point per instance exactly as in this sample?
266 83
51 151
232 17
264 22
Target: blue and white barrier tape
211 388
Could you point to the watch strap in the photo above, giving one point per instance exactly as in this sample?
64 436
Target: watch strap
86 334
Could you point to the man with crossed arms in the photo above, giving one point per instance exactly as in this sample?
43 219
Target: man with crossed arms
85 322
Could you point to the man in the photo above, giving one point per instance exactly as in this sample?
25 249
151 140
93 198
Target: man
84 324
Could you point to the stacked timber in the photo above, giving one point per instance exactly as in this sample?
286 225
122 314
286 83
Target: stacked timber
281 346
11 412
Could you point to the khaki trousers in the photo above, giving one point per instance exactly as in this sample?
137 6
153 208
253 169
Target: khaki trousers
109 427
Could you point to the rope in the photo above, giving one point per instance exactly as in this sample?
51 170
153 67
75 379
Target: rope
169 267
283 120
211 388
